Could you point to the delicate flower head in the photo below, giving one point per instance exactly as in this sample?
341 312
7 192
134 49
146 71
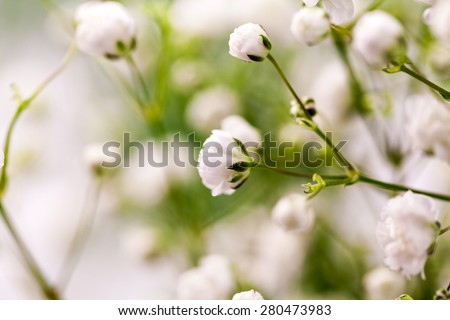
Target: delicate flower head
104 28
249 43
224 164
406 231
240 129
339 11
310 25
428 125
439 20
210 106
294 213
212 279
379 38
381 283
248 295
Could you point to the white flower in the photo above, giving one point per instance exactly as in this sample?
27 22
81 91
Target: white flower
223 164
379 38
381 283
209 107
293 213
406 231
212 279
248 295
428 125
240 129
439 20
310 25
104 28
340 11
139 242
249 42
94 156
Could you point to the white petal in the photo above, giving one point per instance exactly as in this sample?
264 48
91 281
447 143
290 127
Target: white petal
340 11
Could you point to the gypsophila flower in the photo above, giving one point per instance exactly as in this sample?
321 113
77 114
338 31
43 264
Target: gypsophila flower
210 106
428 125
381 283
224 164
249 43
294 213
339 11
212 279
439 20
407 230
104 28
379 38
239 128
248 295
310 25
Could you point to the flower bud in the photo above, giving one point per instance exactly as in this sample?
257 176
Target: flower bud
240 129
94 157
224 164
104 28
339 11
379 38
439 20
212 279
249 43
310 25
381 283
248 295
293 213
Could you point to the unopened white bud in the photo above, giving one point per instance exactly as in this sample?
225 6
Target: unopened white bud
249 43
104 28
439 20
381 283
379 38
310 25
248 295
294 213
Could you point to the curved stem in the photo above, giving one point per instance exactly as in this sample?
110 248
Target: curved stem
23 105
398 187
48 291
351 170
81 235
288 85
444 93
140 82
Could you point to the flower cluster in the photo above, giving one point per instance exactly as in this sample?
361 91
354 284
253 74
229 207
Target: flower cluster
407 231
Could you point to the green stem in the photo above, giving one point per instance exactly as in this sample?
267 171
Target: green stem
303 174
444 93
81 235
140 82
48 291
358 92
398 187
24 104
446 229
351 170
288 85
